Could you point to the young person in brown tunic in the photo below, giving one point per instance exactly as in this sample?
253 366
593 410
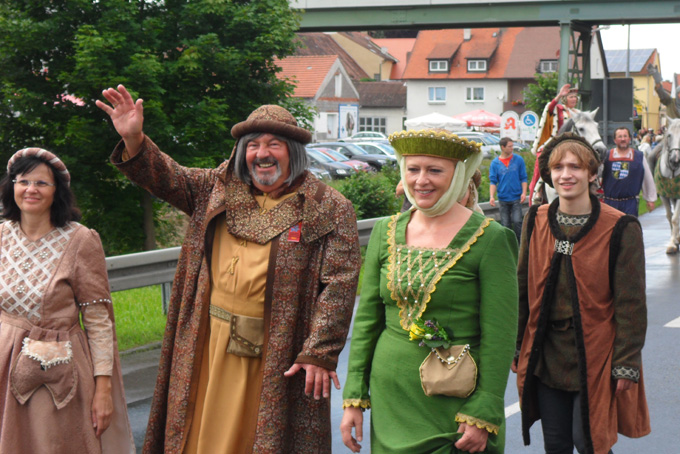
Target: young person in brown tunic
582 311
62 389
265 287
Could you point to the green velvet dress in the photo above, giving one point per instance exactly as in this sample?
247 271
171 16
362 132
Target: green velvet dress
470 287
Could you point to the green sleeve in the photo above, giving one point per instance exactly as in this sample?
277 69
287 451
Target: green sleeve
369 322
485 408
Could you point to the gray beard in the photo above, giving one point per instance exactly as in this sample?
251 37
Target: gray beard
265 181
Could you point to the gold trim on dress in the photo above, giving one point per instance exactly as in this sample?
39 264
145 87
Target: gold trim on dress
472 421
356 403
403 293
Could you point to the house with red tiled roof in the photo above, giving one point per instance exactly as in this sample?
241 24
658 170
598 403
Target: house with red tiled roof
323 83
373 59
382 106
315 44
400 48
456 71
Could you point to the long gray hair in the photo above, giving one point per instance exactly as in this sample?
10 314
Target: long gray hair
297 156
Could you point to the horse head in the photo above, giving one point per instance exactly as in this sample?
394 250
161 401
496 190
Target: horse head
671 145
584 124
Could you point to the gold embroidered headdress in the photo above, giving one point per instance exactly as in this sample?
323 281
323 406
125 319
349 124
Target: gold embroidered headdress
439 143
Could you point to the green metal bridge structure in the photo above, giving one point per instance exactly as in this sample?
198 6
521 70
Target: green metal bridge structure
577 20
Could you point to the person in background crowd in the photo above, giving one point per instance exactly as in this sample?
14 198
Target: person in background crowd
508 179
625 173
555 113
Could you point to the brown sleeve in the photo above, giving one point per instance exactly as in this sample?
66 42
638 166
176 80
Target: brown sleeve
630 306
335 304
90 285
522 281
162 176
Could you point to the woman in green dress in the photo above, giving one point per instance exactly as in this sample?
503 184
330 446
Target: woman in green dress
440 262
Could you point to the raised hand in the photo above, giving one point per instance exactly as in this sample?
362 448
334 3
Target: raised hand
654 71
127 116
564 91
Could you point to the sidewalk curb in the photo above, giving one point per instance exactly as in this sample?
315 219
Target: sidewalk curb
140 349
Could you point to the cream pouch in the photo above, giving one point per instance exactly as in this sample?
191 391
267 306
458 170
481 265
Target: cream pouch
46 358
449 372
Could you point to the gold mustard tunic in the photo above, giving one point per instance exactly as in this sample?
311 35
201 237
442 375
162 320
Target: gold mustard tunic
229 385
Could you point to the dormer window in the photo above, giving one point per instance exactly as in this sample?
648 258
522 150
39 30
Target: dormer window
477 65
548 66
437 66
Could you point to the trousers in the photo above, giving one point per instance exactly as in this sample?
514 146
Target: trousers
511 216
561 420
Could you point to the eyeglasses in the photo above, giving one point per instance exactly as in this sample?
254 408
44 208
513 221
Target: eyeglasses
37 184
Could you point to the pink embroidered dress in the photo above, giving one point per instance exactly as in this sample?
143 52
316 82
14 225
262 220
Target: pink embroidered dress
48 361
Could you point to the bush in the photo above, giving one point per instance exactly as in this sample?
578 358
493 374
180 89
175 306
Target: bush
372 194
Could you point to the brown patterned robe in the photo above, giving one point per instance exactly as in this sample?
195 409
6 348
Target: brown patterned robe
309 297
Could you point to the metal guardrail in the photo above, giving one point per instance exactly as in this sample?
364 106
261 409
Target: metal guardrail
142 269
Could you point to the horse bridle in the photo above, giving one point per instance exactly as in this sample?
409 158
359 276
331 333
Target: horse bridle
570 125
668 159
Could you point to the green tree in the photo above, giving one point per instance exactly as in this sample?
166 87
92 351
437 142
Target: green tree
201 66
541 92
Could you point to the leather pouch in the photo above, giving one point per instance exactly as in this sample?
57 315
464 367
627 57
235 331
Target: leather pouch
44 361
247 336
449 372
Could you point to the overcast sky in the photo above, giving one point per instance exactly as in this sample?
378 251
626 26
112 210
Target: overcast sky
662 37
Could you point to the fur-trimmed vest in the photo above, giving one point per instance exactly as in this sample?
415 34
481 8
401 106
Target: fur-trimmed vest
590 259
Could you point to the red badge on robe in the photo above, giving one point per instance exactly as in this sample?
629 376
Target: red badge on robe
294 233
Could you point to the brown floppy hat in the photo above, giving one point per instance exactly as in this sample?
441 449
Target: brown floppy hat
272 119
544 158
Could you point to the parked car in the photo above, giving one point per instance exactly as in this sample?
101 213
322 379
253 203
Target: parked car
377 147
364 135
518 145
490 148
337 170
321 174
339 157
355 152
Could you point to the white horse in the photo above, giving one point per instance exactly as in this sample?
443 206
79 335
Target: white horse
667 179
582 123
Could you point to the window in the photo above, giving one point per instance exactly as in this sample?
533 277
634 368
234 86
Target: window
476 65
548 66
436 94
439 65
474 94
373 124
338 86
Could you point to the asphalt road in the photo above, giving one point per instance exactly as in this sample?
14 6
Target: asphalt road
660 356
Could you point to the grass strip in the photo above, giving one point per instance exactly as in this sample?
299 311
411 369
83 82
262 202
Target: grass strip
139 316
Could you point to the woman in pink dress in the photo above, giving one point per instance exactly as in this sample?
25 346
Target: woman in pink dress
61 382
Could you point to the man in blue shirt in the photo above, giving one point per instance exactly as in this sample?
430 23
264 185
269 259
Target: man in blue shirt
508 179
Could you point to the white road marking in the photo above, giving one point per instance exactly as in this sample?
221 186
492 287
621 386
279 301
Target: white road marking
511 409
672 324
